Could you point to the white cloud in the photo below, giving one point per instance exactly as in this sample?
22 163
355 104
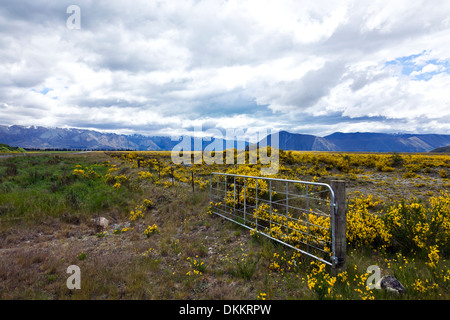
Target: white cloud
427 69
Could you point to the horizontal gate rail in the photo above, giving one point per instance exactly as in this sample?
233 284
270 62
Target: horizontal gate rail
298 214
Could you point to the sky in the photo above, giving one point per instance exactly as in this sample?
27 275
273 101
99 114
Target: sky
166 67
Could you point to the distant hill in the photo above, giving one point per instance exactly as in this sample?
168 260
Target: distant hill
383 142
300 142
68 138
441 150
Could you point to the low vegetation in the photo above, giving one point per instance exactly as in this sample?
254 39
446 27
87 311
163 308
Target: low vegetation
161 243
4 148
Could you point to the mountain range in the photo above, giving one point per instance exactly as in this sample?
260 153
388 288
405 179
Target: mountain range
361 142
36 137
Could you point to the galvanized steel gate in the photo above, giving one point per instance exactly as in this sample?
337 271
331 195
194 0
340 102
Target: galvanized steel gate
298 214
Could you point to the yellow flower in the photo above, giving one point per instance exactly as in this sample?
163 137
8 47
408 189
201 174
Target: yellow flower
433 256
151 230
261 296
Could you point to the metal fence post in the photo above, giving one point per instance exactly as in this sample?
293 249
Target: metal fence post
270 209
287 207
256 205
307 214
245 202
340 226
234 196
226 195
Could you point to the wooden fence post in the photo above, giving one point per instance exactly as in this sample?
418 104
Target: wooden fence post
340 229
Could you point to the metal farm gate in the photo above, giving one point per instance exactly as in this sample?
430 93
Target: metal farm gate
298 214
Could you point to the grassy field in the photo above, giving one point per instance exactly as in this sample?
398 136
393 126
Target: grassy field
161 243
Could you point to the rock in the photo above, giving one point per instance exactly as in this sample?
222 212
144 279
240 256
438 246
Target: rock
101 223
390 283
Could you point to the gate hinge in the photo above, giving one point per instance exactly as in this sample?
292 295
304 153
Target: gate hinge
334 205
334 260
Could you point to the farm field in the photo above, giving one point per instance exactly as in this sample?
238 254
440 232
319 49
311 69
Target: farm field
162 242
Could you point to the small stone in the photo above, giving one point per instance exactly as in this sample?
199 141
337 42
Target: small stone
101 223
390 283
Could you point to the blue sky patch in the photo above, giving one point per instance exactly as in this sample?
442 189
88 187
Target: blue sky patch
43 91
420 70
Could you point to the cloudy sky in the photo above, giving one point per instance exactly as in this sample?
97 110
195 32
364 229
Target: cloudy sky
158 67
